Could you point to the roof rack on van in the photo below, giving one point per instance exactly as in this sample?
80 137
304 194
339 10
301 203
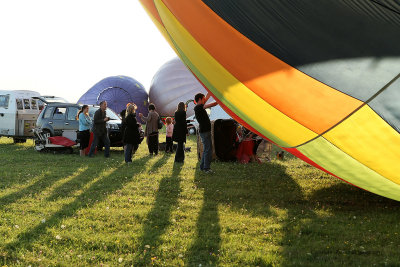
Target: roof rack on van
50 99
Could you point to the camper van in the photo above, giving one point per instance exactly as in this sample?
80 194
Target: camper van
18 113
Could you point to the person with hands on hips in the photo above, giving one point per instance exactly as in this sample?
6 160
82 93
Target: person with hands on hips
151 131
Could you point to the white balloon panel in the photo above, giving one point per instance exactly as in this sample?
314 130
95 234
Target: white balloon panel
174 83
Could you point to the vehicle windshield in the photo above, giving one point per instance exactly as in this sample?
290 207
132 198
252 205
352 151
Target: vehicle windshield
4 99
109 113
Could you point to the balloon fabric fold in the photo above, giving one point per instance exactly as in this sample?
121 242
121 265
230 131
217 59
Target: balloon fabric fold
117 91
318 78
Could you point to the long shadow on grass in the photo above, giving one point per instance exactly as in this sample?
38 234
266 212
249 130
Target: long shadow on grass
46 181
356 228
343 196
158 219
98 191
19 163
207 242
80 181
249 189
68 188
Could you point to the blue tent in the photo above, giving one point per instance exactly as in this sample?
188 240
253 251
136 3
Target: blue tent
117 91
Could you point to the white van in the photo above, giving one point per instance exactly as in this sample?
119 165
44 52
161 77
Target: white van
214 113
18 113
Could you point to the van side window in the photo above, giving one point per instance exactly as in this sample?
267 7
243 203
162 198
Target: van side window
41 104
72 112
59 113
20 106
4 99
27 105
48 112
33 104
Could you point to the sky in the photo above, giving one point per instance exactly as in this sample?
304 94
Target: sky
63 48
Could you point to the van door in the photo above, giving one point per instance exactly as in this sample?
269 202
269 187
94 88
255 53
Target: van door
59 120
26 117
7 116
72 123
20 110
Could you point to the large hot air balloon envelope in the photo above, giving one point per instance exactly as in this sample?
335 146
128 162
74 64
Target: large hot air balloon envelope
117 91
318 78
174 83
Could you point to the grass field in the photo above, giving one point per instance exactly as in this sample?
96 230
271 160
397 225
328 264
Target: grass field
63 210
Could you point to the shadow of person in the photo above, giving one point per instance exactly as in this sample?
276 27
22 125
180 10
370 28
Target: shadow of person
25 168
104 184
158 219
250 188
68 188
205 248
38 184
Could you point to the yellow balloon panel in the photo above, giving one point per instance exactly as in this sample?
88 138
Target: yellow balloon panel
346 167
232 92
367 138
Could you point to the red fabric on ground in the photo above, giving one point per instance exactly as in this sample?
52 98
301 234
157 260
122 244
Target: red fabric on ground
90 144
62 141
245 150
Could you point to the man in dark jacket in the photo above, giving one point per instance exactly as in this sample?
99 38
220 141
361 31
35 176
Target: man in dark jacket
100 130
204 130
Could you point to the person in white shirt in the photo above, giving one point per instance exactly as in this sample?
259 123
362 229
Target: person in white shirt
169 132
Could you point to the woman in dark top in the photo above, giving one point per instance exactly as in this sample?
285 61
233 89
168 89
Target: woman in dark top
180 131
131 137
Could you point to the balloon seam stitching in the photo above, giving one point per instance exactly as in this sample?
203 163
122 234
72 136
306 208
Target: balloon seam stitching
354 111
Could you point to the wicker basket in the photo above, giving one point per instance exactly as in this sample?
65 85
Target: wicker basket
264 150
200 144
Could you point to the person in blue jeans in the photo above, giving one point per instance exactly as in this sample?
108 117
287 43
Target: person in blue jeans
100 130
85 122
204 129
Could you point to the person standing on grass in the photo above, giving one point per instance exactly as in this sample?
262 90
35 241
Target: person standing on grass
151 131
204 129
180 131
100 130
131 136
84 128
122 114
169 129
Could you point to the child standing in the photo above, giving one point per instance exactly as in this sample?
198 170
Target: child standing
169 131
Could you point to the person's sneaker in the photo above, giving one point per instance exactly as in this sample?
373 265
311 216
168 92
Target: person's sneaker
209 171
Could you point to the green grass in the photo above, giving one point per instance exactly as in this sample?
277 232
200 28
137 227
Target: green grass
63 210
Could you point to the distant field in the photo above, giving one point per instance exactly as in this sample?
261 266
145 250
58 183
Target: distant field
62 210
